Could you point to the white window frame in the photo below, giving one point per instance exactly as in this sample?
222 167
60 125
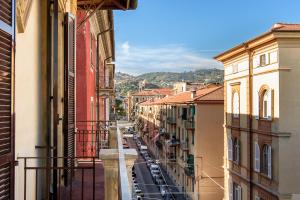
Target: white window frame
237 192
268 152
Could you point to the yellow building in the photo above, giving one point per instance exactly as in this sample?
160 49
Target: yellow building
262 109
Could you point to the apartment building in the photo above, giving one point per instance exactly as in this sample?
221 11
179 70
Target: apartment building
94 80
37 87
262 109
185 132
142 96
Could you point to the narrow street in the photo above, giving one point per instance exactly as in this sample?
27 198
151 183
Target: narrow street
143 175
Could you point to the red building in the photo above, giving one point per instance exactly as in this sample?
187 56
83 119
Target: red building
92 109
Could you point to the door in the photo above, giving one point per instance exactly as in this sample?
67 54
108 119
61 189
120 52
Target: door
7 26
69 93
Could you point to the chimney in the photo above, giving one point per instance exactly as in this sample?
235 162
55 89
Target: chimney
193 93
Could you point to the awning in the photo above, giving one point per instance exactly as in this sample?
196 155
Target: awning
108 4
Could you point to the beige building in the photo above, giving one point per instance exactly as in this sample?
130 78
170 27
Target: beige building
185 132
37 128
261 141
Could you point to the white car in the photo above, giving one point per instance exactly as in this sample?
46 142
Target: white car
154 167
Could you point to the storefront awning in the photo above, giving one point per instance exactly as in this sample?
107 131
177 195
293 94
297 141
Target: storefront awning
108 4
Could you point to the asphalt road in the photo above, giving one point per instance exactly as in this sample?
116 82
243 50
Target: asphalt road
143 175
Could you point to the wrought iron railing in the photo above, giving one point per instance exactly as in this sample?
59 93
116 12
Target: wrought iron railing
91 136
77 181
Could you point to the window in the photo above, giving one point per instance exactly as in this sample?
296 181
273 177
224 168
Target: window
236 105
257 198
235 68
184 114
262 60
257 157
237 192
230 151
265 104
236 151
267 160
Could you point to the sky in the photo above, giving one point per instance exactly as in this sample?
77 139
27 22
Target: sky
184 35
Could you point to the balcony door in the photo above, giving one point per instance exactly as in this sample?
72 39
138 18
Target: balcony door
7 28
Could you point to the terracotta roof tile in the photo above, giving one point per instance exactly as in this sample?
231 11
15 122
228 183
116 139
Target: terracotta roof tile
285 27
211 93
161 91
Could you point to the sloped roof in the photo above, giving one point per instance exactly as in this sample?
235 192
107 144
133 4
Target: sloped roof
161 91
278 27
212 93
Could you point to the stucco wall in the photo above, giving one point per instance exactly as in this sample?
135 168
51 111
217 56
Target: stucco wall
209 151
28 98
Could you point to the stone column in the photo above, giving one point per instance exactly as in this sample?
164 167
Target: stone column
110 158
113 138
130 156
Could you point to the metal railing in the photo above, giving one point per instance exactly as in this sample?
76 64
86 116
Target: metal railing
190 125
91 136
73 181
171 120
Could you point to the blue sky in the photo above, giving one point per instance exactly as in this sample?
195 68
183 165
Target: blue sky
184 35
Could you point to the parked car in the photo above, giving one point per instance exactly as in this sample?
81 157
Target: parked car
149 162
155 172
142 152
163 190
159 181
139 192
154 167
138 197
147 157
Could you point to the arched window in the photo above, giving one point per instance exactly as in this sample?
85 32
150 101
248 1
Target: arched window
257 158
267 160
265 103
236 105
265 106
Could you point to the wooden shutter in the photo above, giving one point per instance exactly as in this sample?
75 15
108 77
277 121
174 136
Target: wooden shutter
230 150
269 161
69 91
257 158
7 26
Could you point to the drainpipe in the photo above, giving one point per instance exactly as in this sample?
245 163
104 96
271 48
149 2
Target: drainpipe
250 92
98 85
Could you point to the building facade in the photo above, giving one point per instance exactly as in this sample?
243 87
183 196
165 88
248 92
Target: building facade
261 111
184 131
38 95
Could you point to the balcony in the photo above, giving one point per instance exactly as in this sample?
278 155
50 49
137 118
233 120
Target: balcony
158 117
184 146
190 125
82 176
171 120
189 167
173 142
171 157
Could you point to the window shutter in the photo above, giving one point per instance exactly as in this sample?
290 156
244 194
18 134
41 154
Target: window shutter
271 105
230 186
238 152
269 161
239 193
257 158
230 152
69 92
267 58
7 25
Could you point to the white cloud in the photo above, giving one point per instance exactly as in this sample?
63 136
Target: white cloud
175 58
